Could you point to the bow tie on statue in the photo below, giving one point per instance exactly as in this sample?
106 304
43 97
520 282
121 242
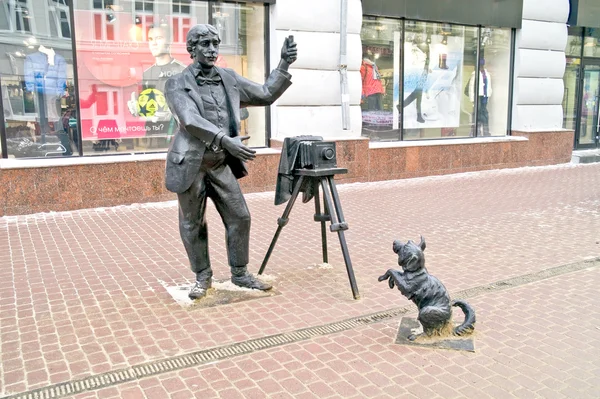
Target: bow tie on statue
215 79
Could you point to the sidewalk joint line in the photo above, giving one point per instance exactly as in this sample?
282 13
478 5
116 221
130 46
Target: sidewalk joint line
212 355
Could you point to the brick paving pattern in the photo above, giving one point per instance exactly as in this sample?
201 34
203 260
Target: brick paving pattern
84 293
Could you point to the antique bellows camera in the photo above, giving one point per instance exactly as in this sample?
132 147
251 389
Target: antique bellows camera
316 154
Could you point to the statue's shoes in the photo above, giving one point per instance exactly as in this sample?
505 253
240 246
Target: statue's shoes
249 281
198 290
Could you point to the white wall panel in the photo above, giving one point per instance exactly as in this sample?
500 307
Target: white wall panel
312 104
320 121
326 55
540 64
543 35
537 117
318 87
539 91
317 15
546 10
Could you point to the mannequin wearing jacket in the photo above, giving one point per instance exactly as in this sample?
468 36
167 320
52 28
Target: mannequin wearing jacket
372 88
485 92
46 76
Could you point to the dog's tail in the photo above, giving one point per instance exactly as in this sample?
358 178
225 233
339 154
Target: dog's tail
469 324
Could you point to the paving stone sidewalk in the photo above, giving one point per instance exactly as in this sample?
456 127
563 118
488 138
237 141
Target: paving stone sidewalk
84 293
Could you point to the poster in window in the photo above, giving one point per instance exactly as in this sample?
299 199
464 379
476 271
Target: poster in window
124 61
432 81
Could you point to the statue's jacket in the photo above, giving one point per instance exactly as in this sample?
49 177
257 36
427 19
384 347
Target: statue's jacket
196 133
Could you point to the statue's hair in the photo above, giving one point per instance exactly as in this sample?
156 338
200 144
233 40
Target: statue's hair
194 35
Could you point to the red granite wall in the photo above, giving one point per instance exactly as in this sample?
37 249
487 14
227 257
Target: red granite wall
60 188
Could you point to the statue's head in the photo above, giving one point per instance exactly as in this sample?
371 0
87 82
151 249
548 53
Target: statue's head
203 44
410 255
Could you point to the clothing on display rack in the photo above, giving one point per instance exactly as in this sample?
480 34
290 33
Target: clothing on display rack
372 87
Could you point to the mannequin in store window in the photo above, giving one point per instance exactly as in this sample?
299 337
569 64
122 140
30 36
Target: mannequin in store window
372 86
46 76
485 92
417 94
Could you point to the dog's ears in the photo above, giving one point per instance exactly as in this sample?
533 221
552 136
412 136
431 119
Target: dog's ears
397 246
422 244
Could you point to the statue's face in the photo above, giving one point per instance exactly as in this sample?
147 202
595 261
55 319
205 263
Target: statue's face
207 50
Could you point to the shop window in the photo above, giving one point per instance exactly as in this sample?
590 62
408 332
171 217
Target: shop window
439 81
422 84
494 84
380 74
121 81
571 80
38 93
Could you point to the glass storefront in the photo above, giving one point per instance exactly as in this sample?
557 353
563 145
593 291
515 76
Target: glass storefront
37 78
572 77
582 86
437 63
110 99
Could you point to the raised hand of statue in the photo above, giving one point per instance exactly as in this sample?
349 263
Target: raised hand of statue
235 147
289 52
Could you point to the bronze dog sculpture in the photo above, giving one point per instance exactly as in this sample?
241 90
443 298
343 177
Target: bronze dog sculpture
427 292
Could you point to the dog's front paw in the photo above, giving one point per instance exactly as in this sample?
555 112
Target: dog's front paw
389 277
384 277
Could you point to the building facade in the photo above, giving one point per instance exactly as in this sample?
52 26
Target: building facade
405 88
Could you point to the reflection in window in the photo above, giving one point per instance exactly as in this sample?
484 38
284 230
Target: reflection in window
22 15
144 5
4 16
428 82
380 74
60 26
439 84
181 7
570 97
493 102
38 94
122 80
591 42
103 4
574 42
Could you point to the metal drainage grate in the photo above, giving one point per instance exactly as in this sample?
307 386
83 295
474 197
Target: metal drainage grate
215 354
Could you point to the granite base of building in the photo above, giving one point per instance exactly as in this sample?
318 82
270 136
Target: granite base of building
62 188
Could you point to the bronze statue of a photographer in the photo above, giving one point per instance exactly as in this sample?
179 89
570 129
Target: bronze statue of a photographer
207 154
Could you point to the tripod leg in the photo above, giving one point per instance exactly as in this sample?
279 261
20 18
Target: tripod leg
339 227
282 221
336 201
321 217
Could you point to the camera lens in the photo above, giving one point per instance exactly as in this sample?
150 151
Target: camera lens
328 153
